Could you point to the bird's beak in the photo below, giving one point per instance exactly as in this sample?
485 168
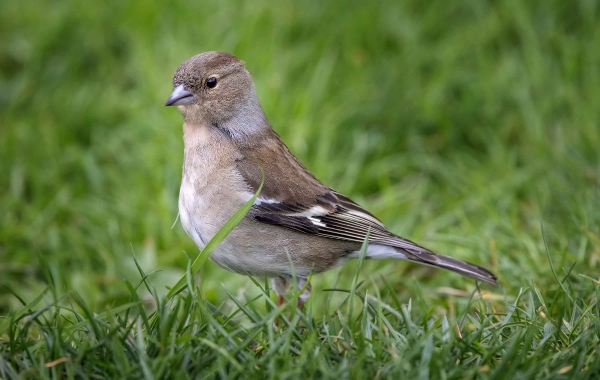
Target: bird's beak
180 96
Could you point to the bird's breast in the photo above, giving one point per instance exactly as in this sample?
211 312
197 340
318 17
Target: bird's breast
211 192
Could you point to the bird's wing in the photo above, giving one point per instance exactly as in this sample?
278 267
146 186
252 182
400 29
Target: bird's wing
293 198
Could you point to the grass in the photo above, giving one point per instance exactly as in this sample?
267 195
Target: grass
469 127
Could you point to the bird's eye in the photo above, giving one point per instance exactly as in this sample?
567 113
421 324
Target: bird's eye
211 82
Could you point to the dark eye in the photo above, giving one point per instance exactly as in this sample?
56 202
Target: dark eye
211 82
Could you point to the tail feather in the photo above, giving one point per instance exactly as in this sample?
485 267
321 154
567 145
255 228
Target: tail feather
417 254
461 267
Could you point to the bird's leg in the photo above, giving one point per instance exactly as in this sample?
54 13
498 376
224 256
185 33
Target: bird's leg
280 285
303 284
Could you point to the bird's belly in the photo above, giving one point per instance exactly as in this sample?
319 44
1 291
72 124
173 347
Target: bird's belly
240 259
263 253
258 249
231 255
204 207
253 248
203 210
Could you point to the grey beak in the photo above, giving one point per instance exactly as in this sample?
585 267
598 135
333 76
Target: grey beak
180 96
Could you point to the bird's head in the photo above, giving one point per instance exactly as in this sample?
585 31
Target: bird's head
213 87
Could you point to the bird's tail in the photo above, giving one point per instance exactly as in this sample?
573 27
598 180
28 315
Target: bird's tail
429 258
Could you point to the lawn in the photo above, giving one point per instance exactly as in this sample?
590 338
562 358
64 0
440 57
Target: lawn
470 127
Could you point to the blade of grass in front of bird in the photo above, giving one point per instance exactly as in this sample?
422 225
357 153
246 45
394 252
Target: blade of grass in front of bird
562 285
216 240
361 258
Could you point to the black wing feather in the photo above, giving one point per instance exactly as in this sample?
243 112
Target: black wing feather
346 220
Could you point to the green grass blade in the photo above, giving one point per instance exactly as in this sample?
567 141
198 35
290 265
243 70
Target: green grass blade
27 308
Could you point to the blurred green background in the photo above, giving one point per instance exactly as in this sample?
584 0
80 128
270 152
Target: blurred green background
462 125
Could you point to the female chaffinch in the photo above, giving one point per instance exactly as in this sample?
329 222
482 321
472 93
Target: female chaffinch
227 140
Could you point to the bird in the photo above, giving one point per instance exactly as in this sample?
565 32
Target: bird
297 226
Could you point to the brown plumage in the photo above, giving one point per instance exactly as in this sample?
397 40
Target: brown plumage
227 140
